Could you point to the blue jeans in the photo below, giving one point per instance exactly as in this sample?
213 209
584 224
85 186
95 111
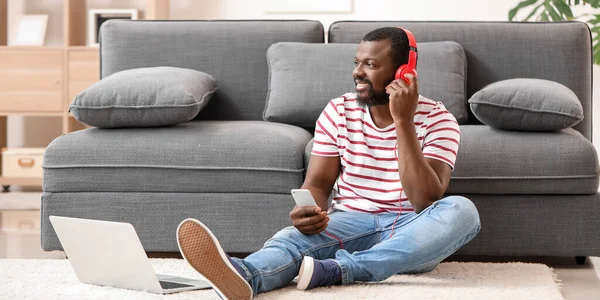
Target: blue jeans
419 243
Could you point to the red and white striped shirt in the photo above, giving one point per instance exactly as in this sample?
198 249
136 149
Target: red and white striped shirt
369 180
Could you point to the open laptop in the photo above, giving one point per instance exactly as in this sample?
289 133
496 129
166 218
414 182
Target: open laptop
111 254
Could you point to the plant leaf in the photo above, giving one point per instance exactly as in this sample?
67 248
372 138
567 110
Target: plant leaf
533 12
593 3
563 8
553 14
597 57
544 16
513 12
595 29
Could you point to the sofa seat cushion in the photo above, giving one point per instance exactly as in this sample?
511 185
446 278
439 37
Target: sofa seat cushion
495 162
492 161
193 157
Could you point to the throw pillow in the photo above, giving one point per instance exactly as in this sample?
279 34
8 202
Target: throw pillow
303 77
527 104
144 97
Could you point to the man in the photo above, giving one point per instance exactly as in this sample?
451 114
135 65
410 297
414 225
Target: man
385 154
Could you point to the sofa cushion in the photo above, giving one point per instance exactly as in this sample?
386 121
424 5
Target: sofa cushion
303 77
308 152
198 156
492 161
527 104
233 51
503 50
242 221
144 97
497 162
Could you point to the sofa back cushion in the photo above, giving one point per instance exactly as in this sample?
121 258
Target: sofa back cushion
527 104
496 51
144 97
304 77
233 52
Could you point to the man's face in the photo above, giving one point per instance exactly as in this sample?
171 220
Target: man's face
373 71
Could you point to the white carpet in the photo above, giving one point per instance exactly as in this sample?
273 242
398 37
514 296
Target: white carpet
55 279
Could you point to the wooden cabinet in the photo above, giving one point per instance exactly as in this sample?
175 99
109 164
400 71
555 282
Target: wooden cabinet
83 70
42 81
31 80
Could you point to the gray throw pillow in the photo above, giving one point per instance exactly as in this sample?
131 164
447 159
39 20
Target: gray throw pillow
303 77
527 104
144 97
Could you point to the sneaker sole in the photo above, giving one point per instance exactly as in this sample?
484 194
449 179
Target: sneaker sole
201 249
306 271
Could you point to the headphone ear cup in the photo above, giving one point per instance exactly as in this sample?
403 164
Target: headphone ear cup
407 71
403 71
400 72
414 72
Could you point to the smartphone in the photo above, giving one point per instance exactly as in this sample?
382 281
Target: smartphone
303 198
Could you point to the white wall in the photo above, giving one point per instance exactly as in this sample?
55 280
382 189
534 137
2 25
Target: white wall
362 10
448 10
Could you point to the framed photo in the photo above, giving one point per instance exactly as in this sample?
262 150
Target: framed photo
29 30
98 16
308 6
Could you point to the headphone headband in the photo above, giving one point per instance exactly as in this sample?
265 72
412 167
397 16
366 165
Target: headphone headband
412 48
411 66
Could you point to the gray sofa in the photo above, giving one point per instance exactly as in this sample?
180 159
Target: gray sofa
536 191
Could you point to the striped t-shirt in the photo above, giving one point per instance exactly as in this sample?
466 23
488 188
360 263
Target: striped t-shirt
369 179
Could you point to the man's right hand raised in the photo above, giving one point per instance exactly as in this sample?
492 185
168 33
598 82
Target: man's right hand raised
309 219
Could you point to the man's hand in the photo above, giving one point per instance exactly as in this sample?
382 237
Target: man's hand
403 99
309 220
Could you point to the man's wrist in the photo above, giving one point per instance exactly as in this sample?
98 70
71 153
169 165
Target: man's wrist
404 124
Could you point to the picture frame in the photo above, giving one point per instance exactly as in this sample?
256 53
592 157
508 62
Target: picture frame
29 30
96 17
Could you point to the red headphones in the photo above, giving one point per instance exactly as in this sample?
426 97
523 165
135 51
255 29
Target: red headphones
411 66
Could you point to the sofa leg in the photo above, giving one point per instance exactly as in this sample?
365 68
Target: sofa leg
580 260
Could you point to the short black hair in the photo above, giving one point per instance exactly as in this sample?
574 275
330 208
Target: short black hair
398 39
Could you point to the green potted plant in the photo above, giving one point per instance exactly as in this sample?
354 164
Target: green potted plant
560 10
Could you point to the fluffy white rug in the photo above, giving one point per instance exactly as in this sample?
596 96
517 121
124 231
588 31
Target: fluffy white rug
55 279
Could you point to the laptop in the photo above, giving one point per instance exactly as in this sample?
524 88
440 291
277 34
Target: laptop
111 254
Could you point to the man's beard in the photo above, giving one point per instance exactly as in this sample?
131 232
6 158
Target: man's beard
372 98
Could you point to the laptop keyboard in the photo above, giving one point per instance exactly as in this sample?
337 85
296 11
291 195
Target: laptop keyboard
167 285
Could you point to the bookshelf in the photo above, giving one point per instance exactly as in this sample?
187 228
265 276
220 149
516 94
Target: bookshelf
42 81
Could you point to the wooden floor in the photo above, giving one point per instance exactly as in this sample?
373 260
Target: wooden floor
20 238
20 235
